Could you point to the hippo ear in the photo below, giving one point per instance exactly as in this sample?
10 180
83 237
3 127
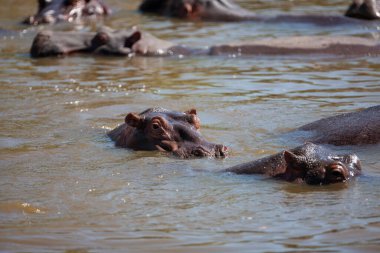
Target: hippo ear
100 39
131 40
133 120
191 111
193 119
290 158
188 8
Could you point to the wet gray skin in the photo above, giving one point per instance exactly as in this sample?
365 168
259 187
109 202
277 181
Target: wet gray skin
52 11
106 41
364 9
164 130
356 128
135 42
309 163
227 10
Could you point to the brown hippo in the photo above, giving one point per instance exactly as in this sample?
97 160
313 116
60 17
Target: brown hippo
164 130
355 128
227 10
309 163
52 11
135 42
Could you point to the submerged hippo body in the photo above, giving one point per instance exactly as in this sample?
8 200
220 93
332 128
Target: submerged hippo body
135 42
309 163
52 11
356 128
164 130
227 10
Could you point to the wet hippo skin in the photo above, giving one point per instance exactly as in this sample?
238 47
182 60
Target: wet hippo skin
165 130
356 128
309 163
227 10
106 41
136 42
66 10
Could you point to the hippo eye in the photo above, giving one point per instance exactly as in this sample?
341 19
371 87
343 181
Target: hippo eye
155 126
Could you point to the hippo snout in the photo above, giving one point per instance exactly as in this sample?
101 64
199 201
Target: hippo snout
210 150
221 151
215 150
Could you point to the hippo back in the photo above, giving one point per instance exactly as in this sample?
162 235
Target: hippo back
356 128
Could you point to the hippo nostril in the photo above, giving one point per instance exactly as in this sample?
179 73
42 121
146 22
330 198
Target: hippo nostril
337 173
221 151
155 126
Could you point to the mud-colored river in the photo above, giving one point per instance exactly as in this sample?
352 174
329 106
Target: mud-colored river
64 187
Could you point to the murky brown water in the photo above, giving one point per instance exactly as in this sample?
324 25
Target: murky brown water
65 188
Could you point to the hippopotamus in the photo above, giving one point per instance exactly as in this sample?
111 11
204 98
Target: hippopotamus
135 42
105 41
310 163
355 128
227 10
364 9
52 11
165 130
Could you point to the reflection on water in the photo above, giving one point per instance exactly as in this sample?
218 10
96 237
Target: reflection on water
64 186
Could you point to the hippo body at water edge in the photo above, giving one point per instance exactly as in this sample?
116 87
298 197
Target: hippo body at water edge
355 128
135 42
227 10
52 11
309 163
165 130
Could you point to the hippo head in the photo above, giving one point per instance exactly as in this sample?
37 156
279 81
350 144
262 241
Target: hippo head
197 9
364 9
128 42
110 42
315 165
164 130
52 11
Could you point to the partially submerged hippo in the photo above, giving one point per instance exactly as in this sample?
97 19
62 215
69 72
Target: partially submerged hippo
106 41
227 10
309 163
52 11
356 128
164 130
135 42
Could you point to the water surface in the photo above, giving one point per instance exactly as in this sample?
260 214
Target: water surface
64 187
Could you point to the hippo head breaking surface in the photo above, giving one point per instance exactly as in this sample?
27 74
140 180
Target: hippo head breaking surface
309 163
315 165
364 9
165 130
52 11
